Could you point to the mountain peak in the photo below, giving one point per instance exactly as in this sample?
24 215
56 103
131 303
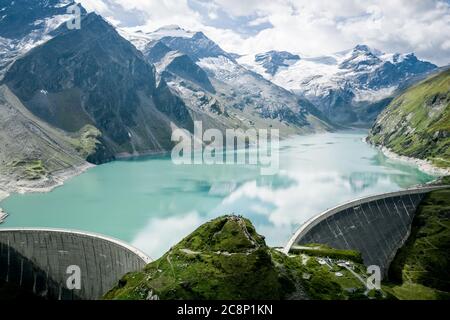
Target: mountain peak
273 60
93 25
363 48
194 44
22 18
93 18
274 54
226 234
169 27
172 31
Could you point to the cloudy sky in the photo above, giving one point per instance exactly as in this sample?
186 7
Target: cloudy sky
306 27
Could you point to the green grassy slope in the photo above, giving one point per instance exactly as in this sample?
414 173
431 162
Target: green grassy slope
421 267
417 123
226 259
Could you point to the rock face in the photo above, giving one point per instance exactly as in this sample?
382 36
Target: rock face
226 259
417 123
271 61
194 44
349 87
74 80
176 63
25 24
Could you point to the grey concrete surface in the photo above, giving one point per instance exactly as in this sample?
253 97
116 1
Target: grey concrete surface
376 226
37 260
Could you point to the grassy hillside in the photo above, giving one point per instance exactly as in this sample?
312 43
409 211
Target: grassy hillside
417 123
421 267
226 259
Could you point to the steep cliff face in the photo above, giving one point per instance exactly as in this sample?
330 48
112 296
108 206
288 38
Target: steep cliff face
23 17
179 64
93 76
417 123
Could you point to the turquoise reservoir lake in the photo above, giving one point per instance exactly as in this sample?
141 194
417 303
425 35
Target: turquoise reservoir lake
152 203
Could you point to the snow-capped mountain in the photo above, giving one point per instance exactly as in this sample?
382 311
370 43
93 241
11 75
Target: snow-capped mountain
271 61
25 24
346 85
228 86
195 44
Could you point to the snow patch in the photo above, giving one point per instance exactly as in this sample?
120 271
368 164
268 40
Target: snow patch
140 38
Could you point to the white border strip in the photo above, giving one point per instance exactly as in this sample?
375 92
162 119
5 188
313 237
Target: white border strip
309 224
125 245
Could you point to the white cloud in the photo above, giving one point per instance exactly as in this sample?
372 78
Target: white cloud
160 234
306 27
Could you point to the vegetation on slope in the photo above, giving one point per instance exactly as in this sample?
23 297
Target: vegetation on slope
417 123
322 250
421 267
226 259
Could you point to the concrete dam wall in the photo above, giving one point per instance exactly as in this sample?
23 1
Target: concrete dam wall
376 226
45 262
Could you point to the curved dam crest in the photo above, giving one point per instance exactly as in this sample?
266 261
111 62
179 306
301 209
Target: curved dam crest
40 261
376 226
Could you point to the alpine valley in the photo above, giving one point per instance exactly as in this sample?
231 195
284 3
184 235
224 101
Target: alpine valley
70 98
90 95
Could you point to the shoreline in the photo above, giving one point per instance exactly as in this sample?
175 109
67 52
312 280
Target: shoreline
58 178
423 165
3 195
47 184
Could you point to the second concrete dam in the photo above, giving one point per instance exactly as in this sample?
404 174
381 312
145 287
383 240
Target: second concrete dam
376 226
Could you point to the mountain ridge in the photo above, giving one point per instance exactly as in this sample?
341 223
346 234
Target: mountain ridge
346 85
